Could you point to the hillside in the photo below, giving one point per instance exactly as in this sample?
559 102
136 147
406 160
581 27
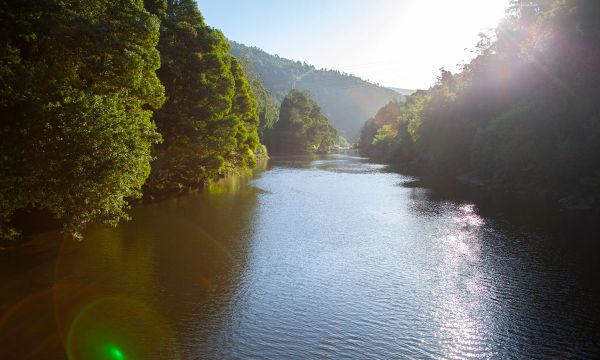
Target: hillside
403 92
346 100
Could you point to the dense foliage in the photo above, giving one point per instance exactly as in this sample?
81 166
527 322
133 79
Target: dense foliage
267 106
77 85
78 89
302 127
346 99
209 120
524 114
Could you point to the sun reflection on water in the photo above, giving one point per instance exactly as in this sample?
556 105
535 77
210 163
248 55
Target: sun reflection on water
461 326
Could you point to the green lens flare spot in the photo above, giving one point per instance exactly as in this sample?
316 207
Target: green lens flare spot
114 328
115 353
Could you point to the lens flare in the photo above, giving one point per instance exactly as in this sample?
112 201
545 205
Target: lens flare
115 353
115 328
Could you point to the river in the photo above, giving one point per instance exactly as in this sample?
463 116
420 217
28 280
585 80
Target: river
330 257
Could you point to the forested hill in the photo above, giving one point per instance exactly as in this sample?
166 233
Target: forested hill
346 100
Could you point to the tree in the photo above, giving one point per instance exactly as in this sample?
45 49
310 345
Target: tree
209 120
524 114
78 86
302 126
267 106
386 116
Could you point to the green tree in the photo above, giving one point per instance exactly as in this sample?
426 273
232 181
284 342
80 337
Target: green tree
383 141
77 85
391 134
302 126
209 120
388 116
524 114
267 105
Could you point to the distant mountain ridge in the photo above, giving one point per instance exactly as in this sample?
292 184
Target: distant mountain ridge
348 101
404 92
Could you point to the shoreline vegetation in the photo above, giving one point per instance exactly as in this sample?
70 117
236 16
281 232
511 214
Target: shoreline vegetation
523 116
105 102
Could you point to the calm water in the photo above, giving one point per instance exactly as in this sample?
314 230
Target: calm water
323 258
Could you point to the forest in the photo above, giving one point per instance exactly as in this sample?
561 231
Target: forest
523 115
102 101
347 100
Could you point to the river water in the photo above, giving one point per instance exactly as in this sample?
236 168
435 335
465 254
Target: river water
328 257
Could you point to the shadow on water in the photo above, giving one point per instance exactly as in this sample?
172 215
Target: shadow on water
120 289
557 235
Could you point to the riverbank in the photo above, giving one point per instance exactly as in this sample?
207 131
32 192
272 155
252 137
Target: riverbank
575 200
578 198
33 222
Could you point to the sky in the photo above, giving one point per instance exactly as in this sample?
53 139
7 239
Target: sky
396 43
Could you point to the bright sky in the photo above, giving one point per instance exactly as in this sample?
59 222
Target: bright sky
399 43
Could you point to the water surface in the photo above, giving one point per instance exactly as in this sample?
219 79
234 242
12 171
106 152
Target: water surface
332 257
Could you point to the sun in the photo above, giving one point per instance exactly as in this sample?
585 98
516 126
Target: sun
411 40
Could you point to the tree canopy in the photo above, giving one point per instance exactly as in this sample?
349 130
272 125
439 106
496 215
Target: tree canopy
524 114
209 120
82 90
302 126
77 89
267 106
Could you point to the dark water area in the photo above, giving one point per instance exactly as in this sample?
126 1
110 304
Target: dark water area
329 257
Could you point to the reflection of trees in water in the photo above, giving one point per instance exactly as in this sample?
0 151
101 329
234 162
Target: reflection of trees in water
181 258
